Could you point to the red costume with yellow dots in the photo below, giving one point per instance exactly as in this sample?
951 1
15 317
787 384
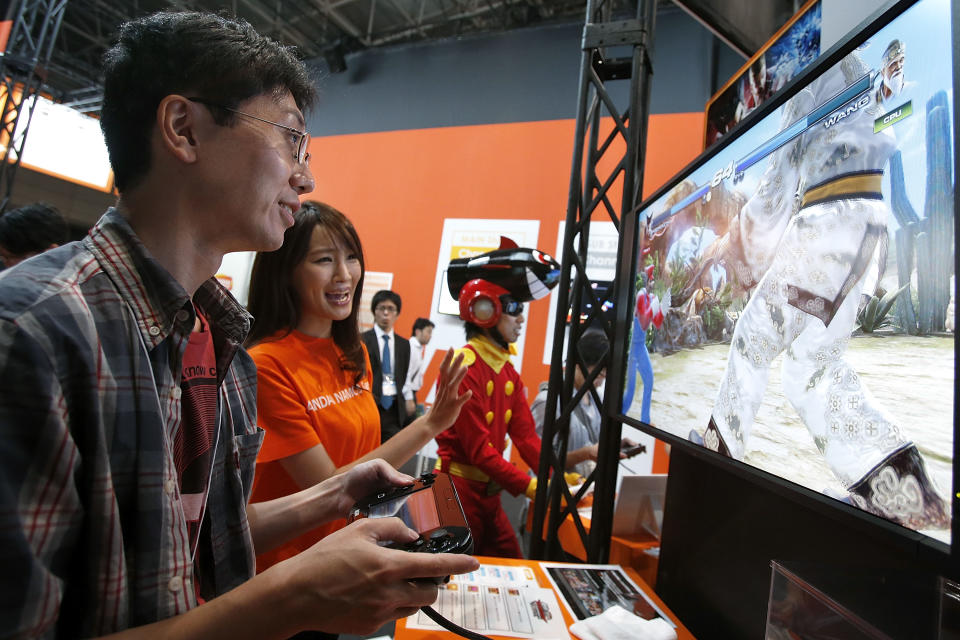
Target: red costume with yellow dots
471 451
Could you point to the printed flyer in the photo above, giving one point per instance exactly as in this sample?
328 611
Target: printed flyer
498 600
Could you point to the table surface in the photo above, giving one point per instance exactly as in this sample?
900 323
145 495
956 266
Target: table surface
402 633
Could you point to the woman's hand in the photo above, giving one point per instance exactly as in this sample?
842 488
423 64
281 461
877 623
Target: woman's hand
449 400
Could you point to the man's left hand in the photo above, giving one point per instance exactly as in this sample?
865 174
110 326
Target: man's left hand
364 479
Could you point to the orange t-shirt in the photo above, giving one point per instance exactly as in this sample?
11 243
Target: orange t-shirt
304 398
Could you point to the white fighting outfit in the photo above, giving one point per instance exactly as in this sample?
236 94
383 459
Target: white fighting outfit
810 257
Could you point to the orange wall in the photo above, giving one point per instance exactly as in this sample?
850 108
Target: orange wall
398 186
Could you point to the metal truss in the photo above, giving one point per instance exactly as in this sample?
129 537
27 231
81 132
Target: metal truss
316 28
591 198
22 69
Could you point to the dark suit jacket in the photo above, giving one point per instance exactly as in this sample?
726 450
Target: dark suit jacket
401 353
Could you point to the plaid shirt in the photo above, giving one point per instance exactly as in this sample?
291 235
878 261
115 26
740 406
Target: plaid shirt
92 534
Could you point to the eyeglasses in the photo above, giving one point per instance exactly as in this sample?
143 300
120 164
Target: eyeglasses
382 308
510 306
301 139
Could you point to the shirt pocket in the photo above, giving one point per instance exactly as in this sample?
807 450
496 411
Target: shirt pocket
245 450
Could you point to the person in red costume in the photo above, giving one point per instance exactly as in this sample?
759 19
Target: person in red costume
491 289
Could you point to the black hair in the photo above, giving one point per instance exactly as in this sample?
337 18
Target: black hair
421 323
385 295
472 331
32 229
223 60
592 347
274 301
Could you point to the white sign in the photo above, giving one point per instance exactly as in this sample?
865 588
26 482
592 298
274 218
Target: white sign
66 143
462 238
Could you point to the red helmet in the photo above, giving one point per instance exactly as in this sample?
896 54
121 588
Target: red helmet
480 303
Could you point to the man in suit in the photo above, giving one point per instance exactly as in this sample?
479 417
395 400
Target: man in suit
389 360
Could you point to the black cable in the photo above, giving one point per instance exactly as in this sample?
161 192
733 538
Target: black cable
449 626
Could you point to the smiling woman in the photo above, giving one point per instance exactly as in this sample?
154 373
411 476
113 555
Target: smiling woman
314 379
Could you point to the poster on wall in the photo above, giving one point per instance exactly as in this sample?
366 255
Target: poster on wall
463 238
234 274
788 52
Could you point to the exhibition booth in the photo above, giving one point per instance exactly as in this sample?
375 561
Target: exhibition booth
775 273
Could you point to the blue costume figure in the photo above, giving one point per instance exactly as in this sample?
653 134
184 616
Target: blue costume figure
648 311
639 363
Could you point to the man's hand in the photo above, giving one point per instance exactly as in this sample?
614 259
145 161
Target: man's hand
347 583
448 402
362 480
629 448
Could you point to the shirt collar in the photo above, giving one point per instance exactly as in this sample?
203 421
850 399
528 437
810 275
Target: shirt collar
490 352
380 332
152 293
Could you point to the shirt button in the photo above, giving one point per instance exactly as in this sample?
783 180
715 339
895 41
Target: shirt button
175 584
177 392
182 315
154 330
169 487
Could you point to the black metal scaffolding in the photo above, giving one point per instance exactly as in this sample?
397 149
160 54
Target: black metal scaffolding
35 24
590 197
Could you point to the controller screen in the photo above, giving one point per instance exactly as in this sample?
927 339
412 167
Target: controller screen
417 510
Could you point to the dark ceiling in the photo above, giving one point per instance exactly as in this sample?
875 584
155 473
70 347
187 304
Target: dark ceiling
331 29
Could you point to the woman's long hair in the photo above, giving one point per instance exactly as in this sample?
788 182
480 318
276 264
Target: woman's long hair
274 301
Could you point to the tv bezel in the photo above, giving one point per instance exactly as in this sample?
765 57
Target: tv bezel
930 551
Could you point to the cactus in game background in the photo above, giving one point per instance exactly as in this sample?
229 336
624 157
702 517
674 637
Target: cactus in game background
935 250
909 222
932 237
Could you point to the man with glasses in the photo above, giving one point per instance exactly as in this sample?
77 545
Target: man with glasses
128 407
389 361
471 451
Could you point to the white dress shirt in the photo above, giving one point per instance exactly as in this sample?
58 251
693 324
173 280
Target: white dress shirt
389 386
418 366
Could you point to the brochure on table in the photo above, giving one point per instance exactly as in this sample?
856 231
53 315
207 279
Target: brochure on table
498 600
590 589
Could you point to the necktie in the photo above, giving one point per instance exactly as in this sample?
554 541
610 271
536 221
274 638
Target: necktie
387 368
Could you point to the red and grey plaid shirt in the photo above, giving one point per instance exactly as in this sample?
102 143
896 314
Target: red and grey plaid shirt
92 535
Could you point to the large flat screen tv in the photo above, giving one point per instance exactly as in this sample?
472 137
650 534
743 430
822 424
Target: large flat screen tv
793 305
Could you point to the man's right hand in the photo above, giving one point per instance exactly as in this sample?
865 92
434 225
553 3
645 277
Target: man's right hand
347 583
